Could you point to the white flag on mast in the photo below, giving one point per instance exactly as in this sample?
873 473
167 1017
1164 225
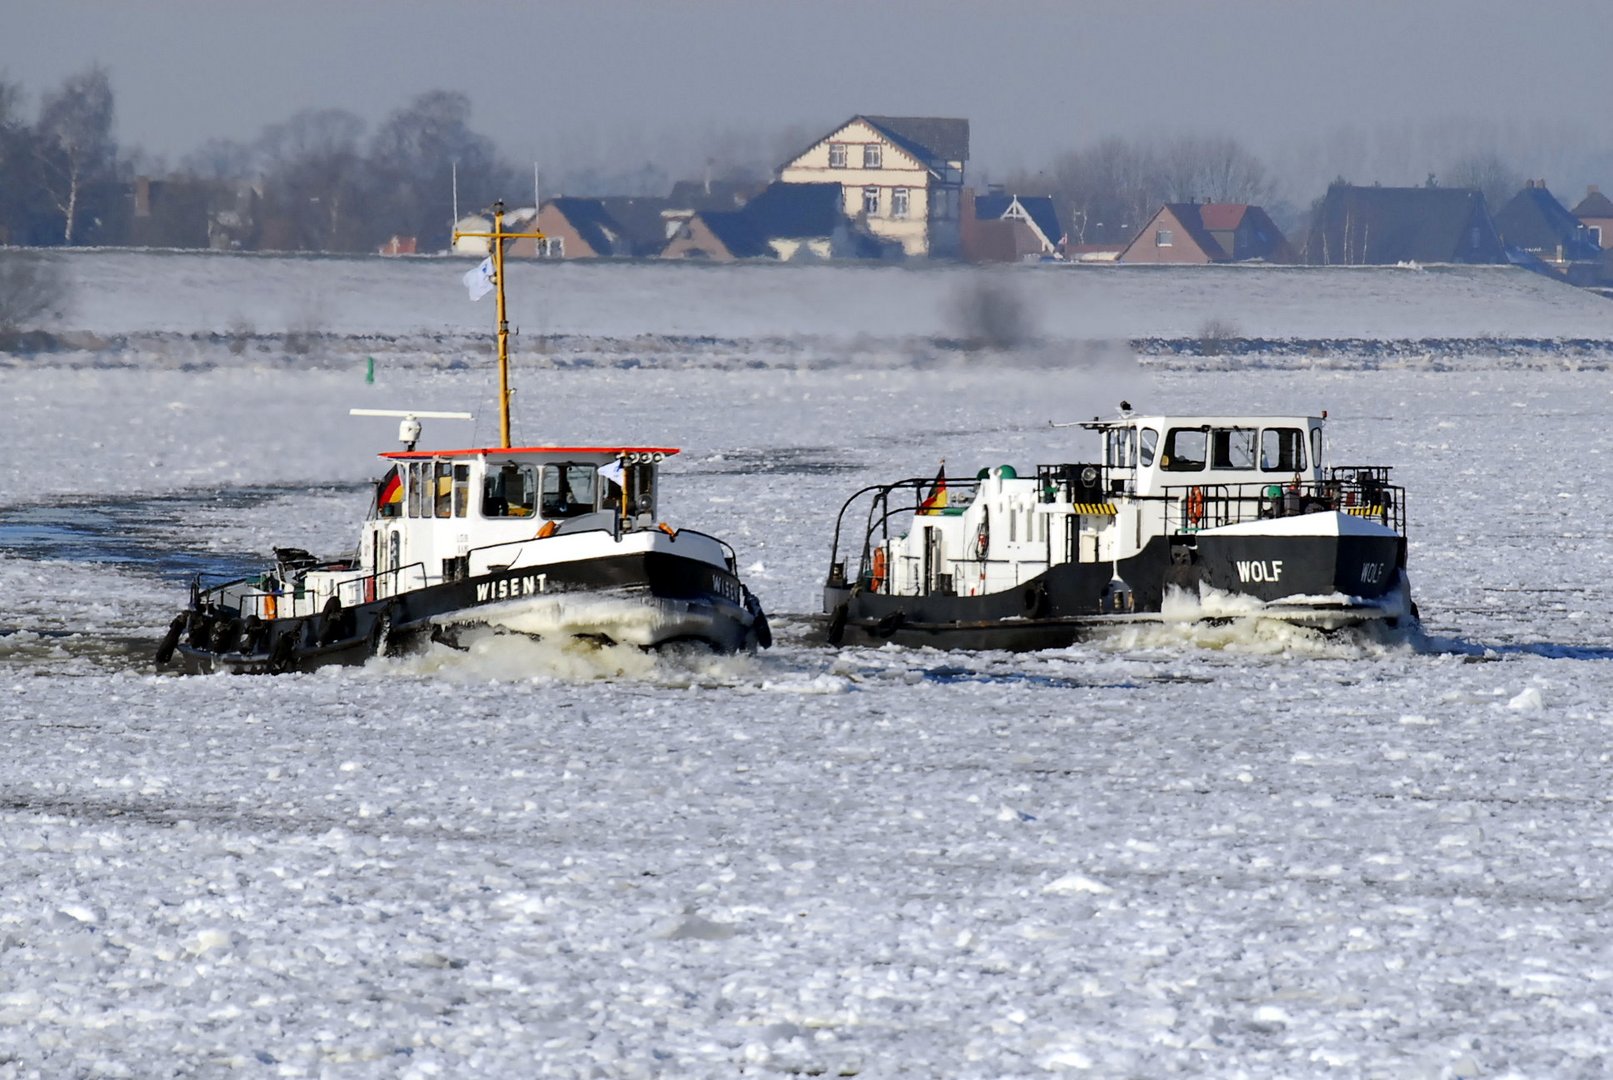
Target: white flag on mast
479 279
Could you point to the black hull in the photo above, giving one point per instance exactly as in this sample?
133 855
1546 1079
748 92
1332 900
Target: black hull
674 599
1327 582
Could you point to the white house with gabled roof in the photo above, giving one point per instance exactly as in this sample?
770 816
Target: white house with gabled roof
901 175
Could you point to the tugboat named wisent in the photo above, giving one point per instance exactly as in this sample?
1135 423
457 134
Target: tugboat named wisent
550 541
1192 517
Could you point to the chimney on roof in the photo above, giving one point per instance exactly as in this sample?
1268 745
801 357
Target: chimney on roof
1592 189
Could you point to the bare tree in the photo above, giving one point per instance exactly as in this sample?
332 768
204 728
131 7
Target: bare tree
75 141
1215 168
314 180
1487 172
412 159
220 159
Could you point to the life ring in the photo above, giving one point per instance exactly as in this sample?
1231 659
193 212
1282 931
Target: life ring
1195 505
170 640
876 579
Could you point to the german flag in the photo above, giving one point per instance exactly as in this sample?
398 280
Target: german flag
391 489
936 500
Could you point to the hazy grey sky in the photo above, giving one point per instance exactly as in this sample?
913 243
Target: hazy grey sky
564 79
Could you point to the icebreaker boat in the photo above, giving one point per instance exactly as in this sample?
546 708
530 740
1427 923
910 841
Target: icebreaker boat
1232 516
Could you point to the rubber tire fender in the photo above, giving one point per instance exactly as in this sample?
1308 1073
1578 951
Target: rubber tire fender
283 657
331 621
837 623
170 640
887 627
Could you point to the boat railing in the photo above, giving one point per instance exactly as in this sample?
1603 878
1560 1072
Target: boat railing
890 505
1361 491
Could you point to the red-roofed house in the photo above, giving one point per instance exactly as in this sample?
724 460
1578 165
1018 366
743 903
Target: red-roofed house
1207 233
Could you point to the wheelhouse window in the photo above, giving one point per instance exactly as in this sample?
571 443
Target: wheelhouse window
873 155
1282 450
1316 446
899 199
419 502
1185 450
510 490
837 155
461 490
1233 448
568 489
870 201
1120 448
442 489
1150 443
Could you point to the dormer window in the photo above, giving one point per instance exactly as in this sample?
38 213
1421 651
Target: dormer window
837 155
872 155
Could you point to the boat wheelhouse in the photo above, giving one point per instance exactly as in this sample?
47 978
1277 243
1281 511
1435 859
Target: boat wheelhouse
1234 516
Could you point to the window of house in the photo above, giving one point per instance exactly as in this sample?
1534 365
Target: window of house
1595 233
837 155
872 154
554 247
899 202
1163 238
870 201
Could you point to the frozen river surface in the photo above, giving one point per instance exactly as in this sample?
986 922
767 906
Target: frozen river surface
1194 852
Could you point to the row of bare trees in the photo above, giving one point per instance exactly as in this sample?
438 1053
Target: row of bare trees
319 181
323 181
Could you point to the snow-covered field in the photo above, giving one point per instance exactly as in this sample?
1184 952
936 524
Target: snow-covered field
1189 852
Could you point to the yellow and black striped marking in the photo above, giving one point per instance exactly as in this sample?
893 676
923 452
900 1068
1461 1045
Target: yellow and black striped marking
1094 509
1365 511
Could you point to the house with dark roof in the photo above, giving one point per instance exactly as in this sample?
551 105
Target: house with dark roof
1200 233
574 228
1383 226
717 236
1595 212
901 176
998 227
785 222
1535 225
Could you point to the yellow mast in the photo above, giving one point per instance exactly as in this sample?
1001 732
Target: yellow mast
496 240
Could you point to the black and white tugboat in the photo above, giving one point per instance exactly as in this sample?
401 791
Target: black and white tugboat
1182 517
550 541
